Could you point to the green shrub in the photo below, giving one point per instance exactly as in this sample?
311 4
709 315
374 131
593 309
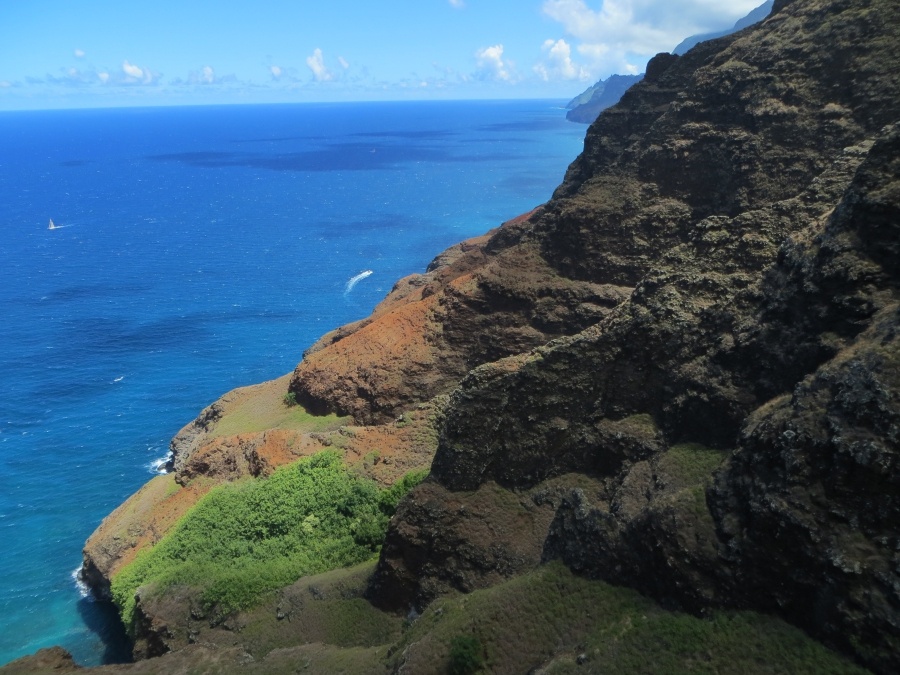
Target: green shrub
245 539
465 655
290 399
692 463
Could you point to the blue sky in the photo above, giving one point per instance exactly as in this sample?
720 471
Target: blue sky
100 53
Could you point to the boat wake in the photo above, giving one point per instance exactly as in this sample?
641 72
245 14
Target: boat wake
355 280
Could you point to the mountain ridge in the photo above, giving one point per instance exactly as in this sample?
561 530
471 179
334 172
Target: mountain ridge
601 95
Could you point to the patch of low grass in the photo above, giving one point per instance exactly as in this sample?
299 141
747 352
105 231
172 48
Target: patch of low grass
251 418
318 658
729 642
519 624
327 608
691 463
245 539
547 618
641 424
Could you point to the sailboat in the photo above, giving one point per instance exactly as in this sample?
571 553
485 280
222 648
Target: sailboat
53 226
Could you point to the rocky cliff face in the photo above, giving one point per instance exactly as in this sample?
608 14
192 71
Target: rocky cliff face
480 301
738 411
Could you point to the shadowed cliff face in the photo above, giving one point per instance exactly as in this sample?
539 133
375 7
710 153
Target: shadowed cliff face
737 413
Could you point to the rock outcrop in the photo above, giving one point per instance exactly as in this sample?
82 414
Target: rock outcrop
480 301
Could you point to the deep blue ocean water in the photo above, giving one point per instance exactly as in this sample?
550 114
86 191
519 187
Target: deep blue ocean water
201 249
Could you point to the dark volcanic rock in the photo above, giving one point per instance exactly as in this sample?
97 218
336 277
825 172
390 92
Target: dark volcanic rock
740 408
808 506
50 660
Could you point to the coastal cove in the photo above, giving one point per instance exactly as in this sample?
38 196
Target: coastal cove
198 250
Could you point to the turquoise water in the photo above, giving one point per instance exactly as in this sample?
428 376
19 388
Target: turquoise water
201 249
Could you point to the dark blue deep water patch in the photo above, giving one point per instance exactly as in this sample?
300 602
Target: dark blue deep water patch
201 249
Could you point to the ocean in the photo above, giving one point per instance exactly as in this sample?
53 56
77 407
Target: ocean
199 249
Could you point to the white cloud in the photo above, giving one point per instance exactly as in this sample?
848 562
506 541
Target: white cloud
79 53
4 84
618 33
558 64
344 63
459 4
206 75
104 77
276 71
490 61
316 64
136 74
132 70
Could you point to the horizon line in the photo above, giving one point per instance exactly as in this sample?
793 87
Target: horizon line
144 105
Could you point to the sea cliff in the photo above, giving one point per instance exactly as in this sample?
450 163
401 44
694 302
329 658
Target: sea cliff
680 376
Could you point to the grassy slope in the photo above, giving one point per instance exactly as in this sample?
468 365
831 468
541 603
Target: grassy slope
551 617
261 407
544 620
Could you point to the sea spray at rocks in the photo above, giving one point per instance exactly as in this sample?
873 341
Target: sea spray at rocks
159 465
83 589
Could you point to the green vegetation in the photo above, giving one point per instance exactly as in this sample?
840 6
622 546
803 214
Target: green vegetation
327 608
733 642
289 399
465 655
254 418
691 463
243 540
550 617
639 425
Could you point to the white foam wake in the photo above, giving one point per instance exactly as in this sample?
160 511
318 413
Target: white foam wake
355 280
